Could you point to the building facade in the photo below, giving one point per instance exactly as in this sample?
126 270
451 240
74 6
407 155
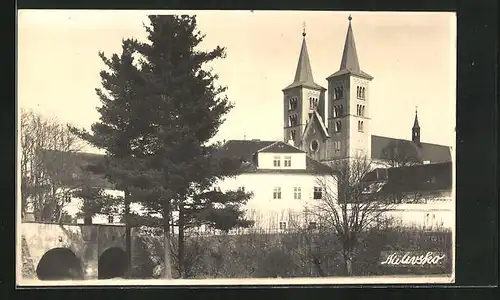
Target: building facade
333 124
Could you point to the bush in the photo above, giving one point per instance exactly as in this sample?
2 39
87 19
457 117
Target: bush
298 254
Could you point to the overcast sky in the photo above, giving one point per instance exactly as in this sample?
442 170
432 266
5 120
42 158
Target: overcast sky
411 55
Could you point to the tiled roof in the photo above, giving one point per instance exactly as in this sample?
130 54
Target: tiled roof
417 178
427 152
246 150
280 147
303 74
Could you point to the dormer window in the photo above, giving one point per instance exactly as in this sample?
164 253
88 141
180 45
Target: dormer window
276 161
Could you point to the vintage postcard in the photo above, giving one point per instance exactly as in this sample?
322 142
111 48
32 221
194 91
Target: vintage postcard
235 147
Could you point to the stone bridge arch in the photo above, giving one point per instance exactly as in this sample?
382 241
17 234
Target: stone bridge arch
60 264
112 263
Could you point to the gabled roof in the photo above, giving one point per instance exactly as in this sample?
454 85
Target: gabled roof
247 150
303 74
315 116
280 147
350 63
417 178
427 152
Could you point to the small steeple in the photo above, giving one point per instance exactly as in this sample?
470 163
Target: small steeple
350 55
415 131
303 73
415 123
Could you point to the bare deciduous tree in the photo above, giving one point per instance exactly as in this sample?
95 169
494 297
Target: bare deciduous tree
350 205
47 181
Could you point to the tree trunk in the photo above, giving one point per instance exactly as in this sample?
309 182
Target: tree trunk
348 264
181 242
128 238
167 272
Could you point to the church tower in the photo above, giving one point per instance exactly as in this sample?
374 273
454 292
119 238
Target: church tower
348 106
301 99
415 131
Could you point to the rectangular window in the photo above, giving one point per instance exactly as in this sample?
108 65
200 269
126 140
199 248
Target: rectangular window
313 225
276 161
288 161
318 192
297 193
277 193
282 225
241 189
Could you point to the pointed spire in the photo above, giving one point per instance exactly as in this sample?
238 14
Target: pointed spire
415 123
350 56
303 73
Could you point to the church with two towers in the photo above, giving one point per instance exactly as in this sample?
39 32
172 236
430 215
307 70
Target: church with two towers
333 124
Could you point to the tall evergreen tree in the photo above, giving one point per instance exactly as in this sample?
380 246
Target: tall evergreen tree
187 108
118 130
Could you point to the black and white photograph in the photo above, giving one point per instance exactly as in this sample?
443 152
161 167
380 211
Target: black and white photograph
235 147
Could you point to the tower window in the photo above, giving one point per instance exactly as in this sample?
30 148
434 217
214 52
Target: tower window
338 126
276 161
336 145
313 103
360 126
338 93
292 120
360 92
292 134
297 193
360 110
318 192
288 161
277 193
292 103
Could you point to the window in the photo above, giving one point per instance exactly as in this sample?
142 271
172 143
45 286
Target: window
360 110
360 126
338 93
292 103
314 146
292 120
336 145
313 103
338 126
282 225
241 189
313 225
288 161
297 193
292 134
338 111
277 193
276 161
318 192
360 92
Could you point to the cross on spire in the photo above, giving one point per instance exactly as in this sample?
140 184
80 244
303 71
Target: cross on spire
304 29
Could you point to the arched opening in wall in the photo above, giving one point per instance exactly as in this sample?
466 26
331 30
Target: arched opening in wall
59 264
112 263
